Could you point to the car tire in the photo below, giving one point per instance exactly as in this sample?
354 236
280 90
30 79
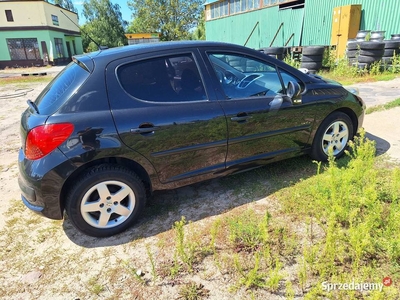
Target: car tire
122 199
387 60
391 52
313 50
311 65
352 53
369 52
372 45
368 59
311 58
273 50
353 45
333 133
392 44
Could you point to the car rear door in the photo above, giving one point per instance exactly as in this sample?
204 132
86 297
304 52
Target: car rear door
163 110
263 123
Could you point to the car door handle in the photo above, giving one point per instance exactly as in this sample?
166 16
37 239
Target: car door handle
146 128
240 119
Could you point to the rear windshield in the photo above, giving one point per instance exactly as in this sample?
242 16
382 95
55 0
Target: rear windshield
61 88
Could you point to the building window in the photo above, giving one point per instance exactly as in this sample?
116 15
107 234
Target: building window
9 15
275 2
59 48
229 7
55 20
23 49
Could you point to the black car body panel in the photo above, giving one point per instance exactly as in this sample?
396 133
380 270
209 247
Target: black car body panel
170 143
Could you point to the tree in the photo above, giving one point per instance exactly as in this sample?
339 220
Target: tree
104 24
200 32
173 19
67 4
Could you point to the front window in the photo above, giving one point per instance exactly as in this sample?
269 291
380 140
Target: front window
23 49
242 77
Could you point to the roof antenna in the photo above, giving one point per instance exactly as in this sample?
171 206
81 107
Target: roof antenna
97 44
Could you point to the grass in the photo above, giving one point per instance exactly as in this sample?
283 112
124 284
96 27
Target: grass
382 107
193 291
340 70
351 213
357 209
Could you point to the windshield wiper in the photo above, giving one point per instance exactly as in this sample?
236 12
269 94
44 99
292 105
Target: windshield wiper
33 106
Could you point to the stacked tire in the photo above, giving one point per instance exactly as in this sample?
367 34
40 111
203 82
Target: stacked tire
370 53
312 57
352 51
277 52
391 49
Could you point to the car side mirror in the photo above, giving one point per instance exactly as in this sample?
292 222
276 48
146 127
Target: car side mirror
293 89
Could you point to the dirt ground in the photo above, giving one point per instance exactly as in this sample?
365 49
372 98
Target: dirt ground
30 260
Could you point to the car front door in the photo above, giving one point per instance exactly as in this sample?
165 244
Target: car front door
262 121
163 111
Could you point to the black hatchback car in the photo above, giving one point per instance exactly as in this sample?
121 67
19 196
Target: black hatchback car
117 124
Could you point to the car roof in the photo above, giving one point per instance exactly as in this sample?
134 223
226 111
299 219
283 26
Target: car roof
104 56
159 46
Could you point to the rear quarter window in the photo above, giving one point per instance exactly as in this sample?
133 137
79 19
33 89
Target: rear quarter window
61 88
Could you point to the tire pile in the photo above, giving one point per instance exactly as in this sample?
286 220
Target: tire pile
312 57
392 47
363 53
352 51
277 52
370 53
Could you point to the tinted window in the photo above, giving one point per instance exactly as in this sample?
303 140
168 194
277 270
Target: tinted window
163 79
242 76
61 88
286 77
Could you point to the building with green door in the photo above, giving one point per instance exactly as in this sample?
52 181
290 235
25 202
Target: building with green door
37 33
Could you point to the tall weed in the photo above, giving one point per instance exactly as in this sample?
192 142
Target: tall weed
357 208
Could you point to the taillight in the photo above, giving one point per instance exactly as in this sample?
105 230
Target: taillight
43 139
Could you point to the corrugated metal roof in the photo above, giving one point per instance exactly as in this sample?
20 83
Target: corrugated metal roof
210 1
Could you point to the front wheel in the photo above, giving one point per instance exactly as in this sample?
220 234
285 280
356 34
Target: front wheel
332 136
106 200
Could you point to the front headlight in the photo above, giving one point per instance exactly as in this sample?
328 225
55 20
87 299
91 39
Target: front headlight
353 90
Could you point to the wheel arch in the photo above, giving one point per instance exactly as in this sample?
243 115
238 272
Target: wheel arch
351 115
348 111
121 161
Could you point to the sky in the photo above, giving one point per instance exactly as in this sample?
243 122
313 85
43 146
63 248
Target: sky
126 12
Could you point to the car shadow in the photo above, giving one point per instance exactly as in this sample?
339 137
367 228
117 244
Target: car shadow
382 146
204 200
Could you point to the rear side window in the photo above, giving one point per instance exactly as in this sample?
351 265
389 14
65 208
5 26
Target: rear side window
163 79
61 88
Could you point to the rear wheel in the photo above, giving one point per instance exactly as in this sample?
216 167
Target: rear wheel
106 200
332 136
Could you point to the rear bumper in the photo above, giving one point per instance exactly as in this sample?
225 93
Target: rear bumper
41 183
35 208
